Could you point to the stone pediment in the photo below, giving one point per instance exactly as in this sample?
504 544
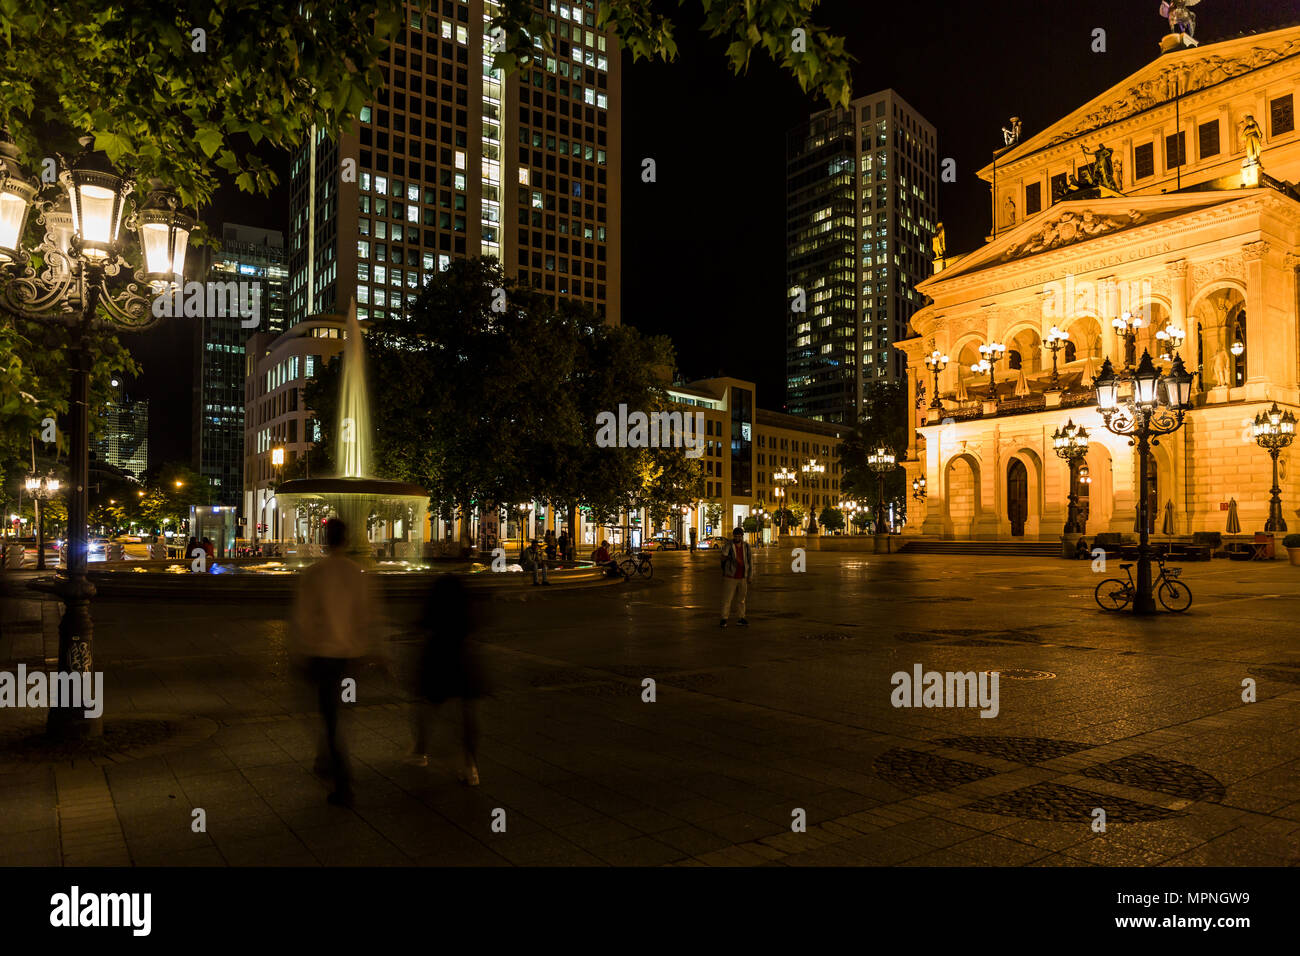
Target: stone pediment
1182 73
1078 221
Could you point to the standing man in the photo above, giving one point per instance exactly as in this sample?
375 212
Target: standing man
737 571
694 534
333 621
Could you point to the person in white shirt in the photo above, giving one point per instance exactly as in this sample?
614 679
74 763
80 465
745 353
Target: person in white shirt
333 627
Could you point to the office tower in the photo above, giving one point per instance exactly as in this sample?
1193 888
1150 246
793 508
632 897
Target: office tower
123 437
454 159
246 255
860 220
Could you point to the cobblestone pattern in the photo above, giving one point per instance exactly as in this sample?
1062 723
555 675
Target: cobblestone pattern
918 772
1150 772
1054 801
1030 750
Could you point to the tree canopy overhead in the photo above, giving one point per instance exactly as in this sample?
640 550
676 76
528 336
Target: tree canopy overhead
780 29
178 90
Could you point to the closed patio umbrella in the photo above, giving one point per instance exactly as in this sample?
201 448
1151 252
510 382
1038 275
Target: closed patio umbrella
1022 384
960 393
1234 520
1089 373
1167 525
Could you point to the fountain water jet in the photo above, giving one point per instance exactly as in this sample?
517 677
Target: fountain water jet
359 500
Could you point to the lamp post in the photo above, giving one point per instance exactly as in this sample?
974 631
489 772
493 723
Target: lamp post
1154 405
1071 443
41 488
783 478
1171 336
1056 339
82 259
1274 430
918 488
882 462
1127 325
936 362
812 467
991 354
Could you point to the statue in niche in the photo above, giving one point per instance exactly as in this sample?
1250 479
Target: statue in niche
1252 139
1009 212
1221 369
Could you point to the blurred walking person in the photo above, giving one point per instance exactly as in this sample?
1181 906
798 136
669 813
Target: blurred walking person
449 669
333 627
737 572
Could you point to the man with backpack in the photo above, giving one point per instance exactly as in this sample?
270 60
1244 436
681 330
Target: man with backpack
737 572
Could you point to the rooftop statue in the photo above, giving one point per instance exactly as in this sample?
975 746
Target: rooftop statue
1182 22
1012 136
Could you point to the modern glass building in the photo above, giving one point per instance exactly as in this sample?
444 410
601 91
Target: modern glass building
860 220
247 255
455 159
123 437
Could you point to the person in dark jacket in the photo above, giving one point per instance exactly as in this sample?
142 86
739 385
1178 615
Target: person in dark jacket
449 669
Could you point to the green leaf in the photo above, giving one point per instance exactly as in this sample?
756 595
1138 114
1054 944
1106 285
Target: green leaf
210 139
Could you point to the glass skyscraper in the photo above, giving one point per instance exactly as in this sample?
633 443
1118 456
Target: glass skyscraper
249 255
860 218
454 159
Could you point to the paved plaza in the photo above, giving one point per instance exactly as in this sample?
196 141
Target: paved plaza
1141 718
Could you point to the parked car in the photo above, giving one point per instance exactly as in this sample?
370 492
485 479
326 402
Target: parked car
715 541
665 543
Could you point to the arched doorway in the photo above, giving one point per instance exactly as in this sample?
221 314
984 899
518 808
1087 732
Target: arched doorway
1017 496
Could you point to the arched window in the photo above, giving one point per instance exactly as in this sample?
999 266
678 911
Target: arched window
1013 359
1071 352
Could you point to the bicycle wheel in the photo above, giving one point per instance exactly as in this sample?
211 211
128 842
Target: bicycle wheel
648 569
1113 594
627 567
1174 595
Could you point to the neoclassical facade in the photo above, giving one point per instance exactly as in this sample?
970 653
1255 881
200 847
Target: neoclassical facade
1168 198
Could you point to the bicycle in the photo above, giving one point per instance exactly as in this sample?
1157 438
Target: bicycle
1115 595
637 564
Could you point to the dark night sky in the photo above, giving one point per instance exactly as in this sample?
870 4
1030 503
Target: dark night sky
703 246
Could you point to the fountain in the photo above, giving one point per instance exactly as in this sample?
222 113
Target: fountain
364 503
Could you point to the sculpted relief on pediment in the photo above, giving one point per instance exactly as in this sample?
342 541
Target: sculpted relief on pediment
1069 228
1189 77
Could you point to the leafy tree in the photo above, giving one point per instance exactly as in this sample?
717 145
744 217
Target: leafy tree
832 519
713 516
885 421
170 490
169 102
861 519
781 29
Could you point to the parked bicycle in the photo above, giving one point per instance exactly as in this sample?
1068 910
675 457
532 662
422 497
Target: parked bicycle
1114 594
637 564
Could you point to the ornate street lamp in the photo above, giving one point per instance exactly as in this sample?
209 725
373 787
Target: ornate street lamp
783 478
1071 443
936 362
1155 405
1127 325
1172 337
812 467
1274 430
991 354
882 462
75 283
41 488
1056 339
918 488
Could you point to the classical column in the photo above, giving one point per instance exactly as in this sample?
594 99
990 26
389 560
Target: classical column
1261 363
1107 312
